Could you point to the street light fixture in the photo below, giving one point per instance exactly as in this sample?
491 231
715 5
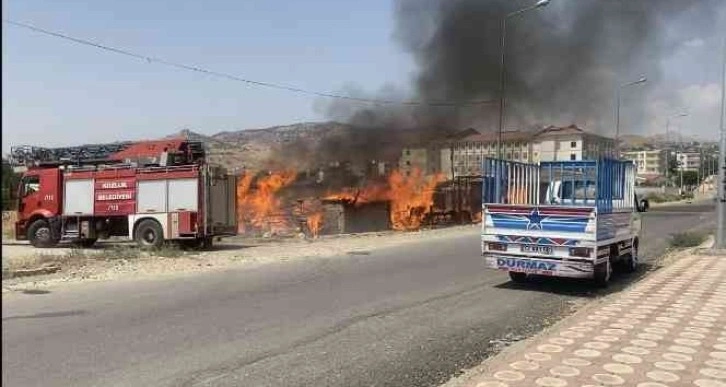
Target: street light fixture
538 4
641 80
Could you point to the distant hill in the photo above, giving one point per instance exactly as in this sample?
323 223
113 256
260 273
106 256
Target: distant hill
312 144
655 140
308 145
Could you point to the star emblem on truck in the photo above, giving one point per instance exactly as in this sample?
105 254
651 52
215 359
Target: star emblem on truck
534 220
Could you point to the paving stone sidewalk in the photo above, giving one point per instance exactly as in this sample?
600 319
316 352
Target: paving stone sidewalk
667 330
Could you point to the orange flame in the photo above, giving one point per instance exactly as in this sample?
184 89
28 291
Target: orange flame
314 222
261 207
410 197
476 218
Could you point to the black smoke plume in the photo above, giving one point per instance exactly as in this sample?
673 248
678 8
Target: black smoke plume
563 61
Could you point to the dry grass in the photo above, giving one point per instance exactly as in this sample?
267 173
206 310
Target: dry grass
76 257
9 218
687 239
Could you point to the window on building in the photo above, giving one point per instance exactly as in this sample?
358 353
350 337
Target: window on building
516 155
573 144
408 163
573 156
408 152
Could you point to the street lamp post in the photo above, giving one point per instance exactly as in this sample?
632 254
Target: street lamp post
502 83
617 111
668 128
721 206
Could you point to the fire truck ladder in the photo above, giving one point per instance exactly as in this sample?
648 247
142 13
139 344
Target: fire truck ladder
84 154
89 155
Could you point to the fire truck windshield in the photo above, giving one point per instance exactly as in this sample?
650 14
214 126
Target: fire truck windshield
30 185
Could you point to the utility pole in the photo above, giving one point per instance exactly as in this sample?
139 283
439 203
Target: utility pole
682 158
668 151
720 232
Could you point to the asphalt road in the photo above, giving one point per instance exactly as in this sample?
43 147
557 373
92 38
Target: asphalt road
412 316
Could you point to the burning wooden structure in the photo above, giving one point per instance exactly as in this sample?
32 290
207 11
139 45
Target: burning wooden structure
456 201
272 204
346 217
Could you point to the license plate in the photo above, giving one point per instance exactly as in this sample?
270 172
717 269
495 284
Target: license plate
537 249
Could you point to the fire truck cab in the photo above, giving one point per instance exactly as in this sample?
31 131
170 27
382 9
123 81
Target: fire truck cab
150 192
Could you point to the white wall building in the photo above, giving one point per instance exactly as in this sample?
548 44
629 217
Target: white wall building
570 143
649 163
689 161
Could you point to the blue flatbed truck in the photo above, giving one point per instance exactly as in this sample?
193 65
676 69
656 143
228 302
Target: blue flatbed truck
576 219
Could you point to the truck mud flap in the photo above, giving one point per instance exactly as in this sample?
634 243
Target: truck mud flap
546 267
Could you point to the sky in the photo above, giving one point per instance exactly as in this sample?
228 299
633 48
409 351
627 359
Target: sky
58 93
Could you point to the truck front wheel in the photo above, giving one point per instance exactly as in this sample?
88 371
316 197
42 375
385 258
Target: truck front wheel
40 234
149 234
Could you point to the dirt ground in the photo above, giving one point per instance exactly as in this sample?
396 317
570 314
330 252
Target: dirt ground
122 260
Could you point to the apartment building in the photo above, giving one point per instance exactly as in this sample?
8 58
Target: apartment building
689 161
570 143
463 155
425 159
467 154
649 163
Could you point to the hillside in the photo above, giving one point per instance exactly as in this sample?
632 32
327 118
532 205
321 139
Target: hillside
307 145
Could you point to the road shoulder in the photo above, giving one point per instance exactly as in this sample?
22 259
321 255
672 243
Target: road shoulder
99 265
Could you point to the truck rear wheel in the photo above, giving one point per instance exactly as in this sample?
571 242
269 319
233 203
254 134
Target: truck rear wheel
41 235
518 277
630 263
603 272
149 234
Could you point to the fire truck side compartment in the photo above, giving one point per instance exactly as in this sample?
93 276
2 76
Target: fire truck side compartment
78 197
221 202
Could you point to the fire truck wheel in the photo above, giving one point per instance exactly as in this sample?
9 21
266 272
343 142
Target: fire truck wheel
192 244
149 234
87 242
207 243
40 234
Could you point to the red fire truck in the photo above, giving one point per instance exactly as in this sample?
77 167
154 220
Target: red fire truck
151 192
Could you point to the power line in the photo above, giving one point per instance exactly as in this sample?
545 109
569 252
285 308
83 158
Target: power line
151 59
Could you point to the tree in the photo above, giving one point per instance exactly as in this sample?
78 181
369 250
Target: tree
672 167
10 181
690 178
